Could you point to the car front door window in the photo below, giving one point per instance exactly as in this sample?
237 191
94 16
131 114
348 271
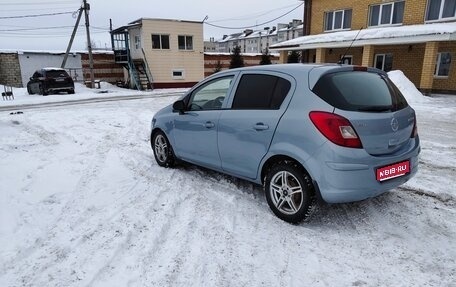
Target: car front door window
211 95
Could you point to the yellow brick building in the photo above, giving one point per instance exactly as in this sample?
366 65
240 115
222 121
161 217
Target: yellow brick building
415 36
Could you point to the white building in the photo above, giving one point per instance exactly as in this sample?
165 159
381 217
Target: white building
257 41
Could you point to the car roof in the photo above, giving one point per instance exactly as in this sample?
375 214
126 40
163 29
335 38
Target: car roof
297 70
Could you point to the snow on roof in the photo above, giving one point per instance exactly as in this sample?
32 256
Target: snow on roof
264 32
379 36
52 69
138 21
242 54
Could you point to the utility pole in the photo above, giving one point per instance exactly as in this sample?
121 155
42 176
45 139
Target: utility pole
89 43
71 39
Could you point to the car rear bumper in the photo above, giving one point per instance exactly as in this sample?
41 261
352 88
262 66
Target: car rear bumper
56 89
353 176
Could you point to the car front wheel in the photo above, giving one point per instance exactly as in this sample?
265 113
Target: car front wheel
289 192
43 91
163 151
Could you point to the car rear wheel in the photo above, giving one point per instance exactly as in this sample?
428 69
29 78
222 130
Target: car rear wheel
29 90
289 192
163 151
71 91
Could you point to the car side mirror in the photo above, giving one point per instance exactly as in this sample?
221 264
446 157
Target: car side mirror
31 78
179 106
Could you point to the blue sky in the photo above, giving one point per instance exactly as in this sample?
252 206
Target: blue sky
53 32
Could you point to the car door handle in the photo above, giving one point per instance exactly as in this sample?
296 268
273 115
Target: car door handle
209 125
260 127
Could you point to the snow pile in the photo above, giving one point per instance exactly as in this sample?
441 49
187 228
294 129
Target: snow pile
407 88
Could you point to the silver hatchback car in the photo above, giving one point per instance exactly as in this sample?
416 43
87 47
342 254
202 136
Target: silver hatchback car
335 132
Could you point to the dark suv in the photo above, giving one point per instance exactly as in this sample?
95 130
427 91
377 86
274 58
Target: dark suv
50 80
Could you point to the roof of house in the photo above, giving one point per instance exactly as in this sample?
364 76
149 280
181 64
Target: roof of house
52 52
258 33
138 21
407 34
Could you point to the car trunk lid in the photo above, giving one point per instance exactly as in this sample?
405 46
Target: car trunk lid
382 133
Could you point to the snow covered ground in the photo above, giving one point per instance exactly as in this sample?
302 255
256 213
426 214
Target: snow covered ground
83 203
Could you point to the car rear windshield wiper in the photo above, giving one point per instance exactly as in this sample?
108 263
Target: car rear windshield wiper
375 108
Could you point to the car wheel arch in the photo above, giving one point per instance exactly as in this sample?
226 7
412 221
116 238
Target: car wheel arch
270 162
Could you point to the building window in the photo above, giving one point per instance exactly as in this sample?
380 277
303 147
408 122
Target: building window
119 41
338 20
185 42
386 14
440 10
384 62
442 66
160 41
137 42
178 74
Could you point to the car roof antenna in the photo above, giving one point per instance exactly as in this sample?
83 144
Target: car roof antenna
340 62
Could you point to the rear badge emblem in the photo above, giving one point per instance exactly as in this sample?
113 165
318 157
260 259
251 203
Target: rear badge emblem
394 124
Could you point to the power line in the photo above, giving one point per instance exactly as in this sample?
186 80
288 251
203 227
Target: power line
37 28
40 9
257 25
41 35
23 29
254 15
36 15
35 3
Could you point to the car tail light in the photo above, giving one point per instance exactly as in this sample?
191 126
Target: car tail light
336 128
415 129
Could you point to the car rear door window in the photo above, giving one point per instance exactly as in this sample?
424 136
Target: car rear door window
359 91
56 73
260 92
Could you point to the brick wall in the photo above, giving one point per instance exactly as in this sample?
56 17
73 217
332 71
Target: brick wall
333 55
104 66
10 71
407 58
414 12
211 60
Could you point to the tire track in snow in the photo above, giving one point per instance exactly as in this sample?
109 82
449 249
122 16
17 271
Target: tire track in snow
70 218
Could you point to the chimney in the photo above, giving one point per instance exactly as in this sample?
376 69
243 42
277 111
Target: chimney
248 32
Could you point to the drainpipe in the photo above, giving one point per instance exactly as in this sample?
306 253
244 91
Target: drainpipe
306 27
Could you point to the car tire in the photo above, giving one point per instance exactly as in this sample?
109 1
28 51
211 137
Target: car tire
289 192
163 152
43 91
71 91
29 90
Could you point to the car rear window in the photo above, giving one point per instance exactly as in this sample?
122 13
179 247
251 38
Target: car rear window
260 92
360 91
56 73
